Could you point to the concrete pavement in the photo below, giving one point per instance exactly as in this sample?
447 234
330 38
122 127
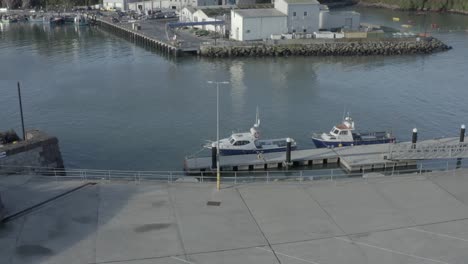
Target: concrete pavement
410 219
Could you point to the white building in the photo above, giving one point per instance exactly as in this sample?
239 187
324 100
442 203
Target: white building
348 20
159 4
257 24
303 15
168 4
116 4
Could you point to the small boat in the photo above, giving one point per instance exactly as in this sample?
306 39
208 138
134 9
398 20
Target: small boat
57 20
35 19
69 19
80 20
344 135
8 20
250 143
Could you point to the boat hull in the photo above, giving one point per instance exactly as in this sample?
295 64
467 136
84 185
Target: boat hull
320 143
229 152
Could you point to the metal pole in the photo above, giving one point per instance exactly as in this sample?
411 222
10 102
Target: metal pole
21 110
218 173
218 176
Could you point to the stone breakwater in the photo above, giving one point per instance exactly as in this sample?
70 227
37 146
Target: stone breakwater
39 150
357 48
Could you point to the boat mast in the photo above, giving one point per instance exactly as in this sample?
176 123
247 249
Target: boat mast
257 119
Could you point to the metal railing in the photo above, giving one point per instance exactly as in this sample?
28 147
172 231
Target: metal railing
438 150
232 177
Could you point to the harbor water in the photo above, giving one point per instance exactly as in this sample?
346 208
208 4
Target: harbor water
117 105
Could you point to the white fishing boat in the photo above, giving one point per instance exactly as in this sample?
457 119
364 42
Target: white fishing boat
80 20
36 19
250 143
344 134
8 19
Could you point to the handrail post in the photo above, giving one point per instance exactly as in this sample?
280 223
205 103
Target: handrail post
300 175
109 175
331 175
170 176
235 177
55 172
268 177
202 176
420 169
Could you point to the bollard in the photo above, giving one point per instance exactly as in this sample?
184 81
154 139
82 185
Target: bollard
415 137
462 134
213 155
288 150
462 139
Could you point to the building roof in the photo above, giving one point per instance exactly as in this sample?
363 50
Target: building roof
315 2
264 12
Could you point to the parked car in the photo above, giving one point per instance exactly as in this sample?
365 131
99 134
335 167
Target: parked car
170 15
159 15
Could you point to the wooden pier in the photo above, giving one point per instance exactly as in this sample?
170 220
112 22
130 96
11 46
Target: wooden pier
138 37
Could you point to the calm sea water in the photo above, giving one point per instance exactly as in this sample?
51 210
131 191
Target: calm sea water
113 104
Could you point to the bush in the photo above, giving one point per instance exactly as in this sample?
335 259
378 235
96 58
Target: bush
8 137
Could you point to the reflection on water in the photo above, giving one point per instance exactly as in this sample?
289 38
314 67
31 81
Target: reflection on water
116 105
239 88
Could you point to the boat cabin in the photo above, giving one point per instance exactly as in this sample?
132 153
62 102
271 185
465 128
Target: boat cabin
343 131
240 139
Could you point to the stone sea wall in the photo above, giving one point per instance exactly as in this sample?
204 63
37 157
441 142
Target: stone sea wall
38 150
348 48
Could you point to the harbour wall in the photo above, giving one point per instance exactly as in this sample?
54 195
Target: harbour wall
38 150
331 48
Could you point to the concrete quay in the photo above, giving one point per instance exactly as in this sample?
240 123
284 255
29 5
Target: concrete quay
386 220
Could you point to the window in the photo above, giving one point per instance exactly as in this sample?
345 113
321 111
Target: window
305 13
294 13
305 30
241 143
247 31
294 31
344 133
336 131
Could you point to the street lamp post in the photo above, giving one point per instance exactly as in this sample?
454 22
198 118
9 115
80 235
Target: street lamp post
218 173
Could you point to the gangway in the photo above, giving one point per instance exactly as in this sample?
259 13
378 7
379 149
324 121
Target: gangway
444 148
